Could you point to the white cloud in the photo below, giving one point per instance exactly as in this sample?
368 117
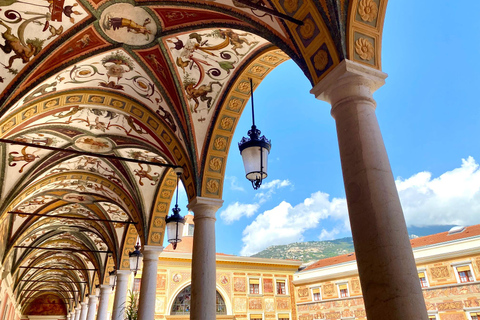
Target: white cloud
268 189
328 235
236 210
451 198
234 183
286 223
275 184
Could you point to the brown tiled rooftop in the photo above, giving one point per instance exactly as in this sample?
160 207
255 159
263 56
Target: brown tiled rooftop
416 243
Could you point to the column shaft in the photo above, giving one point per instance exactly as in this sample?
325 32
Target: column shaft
148 286
78 310
386 266
84 311
119 302
105 291
202 305
92 307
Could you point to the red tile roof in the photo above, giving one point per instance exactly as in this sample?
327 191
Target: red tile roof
416 243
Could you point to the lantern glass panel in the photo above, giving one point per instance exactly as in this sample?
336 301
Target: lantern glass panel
252 162
112 279
172 231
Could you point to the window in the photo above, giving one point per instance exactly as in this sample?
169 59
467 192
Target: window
254 285
432 317
256 317
465 274
136 284
343 290
316 294
281 287
181 305
475 315
423 279
190 229
283 316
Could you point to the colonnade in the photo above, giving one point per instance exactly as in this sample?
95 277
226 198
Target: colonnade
386 266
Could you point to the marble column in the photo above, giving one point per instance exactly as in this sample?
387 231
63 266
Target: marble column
72 315
386 266
68 316
78 311
148 286
92 306
202 305
105 291
120 300
83 314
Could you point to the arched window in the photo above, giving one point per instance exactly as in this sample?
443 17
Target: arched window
181 305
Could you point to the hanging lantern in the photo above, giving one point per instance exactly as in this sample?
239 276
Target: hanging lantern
136 259
254 150
112 279
175 222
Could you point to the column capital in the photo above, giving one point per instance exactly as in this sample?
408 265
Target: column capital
151 252
104 288
204 206
84 304
123 273
347 80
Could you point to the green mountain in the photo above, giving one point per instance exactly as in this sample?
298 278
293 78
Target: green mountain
308 251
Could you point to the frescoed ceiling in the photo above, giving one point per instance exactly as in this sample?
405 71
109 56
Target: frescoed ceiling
100 100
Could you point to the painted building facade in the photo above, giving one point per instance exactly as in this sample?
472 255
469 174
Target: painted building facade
247 288
448 266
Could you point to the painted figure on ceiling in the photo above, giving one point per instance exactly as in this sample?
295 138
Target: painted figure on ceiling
23 49
116 23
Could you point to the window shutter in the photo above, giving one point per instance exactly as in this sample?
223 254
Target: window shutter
421 274
316 290
283 316
280 281
254 281
255 317
342 287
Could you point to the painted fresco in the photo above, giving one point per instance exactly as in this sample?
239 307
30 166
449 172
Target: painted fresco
46 305
27 28
204 62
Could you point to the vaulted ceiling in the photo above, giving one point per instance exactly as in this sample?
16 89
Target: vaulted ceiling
100 99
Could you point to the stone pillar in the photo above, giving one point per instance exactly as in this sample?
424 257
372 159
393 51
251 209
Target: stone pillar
92 307
202 305
83 314
68 316
105 291
78 311
72 315
386 266
148 286
120 300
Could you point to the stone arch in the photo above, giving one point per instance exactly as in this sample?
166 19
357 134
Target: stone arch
213 169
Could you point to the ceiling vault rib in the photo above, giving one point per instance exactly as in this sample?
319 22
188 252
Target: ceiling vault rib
53 268
39 290
91 154
73 218
270 11
63 249
52 281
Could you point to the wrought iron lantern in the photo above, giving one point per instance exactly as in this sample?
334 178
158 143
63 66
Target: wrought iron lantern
175 222
112 279
254 150
136 259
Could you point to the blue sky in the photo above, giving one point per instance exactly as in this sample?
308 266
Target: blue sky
429 115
